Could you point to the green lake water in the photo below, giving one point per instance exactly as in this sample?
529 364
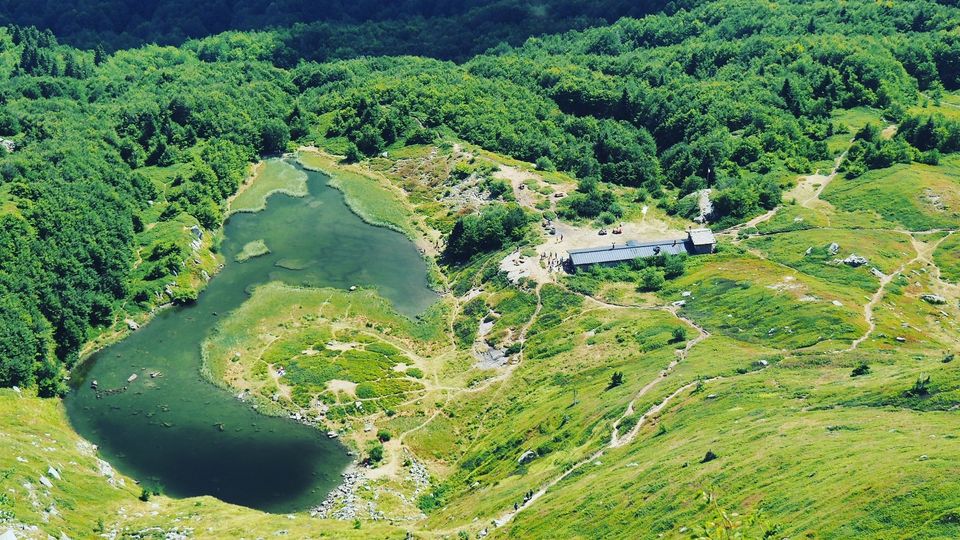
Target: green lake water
181 432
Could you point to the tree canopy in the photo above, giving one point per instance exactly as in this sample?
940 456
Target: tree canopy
118 153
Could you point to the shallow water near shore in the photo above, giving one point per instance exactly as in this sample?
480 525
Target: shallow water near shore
182 433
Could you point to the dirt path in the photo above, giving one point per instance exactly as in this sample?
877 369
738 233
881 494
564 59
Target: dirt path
655 409
938 273
615 440
943 103
807 191
812 186
526 197
924 255
510 368
868 308
453 391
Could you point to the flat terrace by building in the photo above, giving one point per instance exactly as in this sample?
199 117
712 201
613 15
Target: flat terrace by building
697 242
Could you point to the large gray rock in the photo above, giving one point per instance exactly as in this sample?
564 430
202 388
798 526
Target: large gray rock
855 260
933 299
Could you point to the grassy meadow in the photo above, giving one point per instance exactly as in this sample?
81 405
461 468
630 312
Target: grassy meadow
90 499
272 176
947 258
915 197
369 197
749 355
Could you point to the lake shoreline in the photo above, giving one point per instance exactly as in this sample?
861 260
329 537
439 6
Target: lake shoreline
120 330
162 362
414 232
420 240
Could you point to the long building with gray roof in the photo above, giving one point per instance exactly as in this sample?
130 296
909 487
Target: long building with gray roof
697 242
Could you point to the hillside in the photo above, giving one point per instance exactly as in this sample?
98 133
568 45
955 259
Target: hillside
799 381
338 29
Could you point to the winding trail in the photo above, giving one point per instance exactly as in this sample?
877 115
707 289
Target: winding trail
522 339
807 193
924 255
487 383
816 184
617 441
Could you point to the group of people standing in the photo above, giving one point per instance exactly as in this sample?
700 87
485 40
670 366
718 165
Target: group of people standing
553 261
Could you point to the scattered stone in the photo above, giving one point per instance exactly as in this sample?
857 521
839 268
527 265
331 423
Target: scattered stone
491 358
685 294
837 303
53 472
132 325
833 248
344 503
419 474
935 299
924 457
808 251
711 396
876 272
901 339
934 199
855 260
46 481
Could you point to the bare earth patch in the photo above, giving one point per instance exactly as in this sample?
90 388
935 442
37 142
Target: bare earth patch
546 263
337 385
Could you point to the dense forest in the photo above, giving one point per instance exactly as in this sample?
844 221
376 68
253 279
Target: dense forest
335 29
732 96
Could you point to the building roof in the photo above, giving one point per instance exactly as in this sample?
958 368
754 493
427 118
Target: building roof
702 237
626 252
